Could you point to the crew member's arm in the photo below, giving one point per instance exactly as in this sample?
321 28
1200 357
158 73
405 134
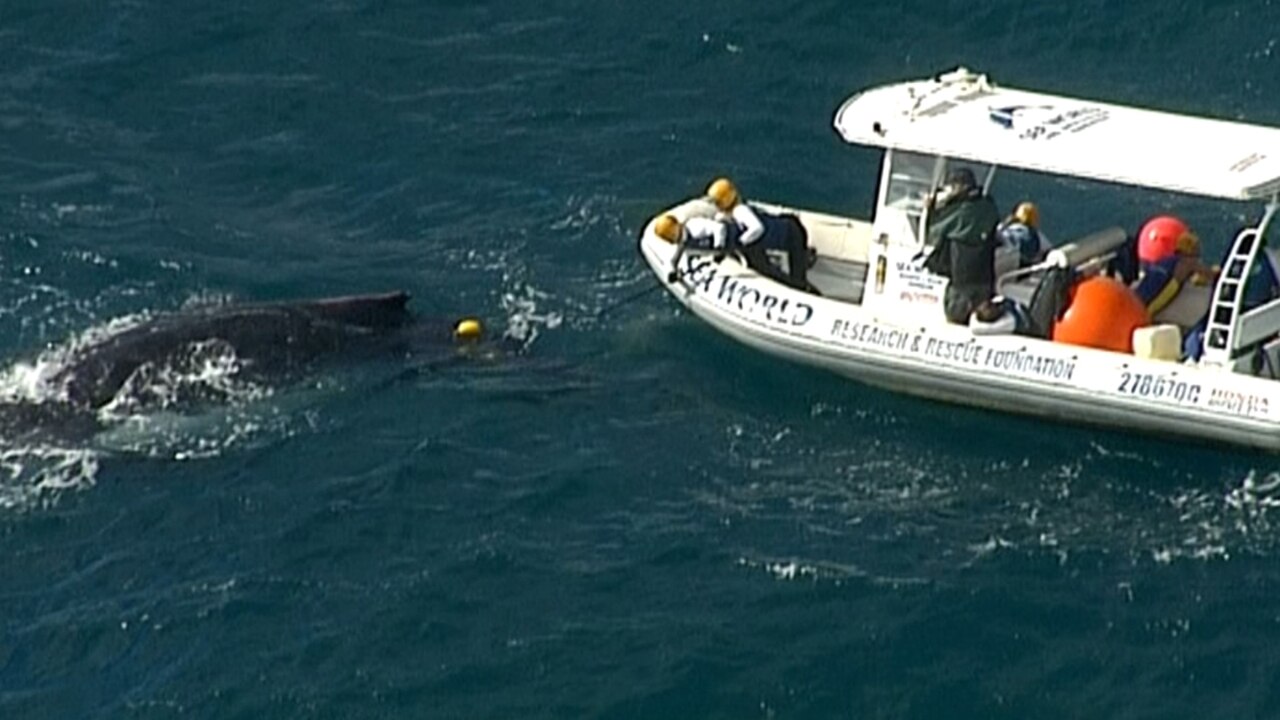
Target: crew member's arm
703 234
752 228
674 272
709 234
1162 282
941 224
1195 271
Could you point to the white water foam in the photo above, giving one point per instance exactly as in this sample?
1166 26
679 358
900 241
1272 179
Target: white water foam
207 372
150 416
37 475
524 322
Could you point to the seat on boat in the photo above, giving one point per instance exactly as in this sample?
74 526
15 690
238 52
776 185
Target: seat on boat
1087 255
1089 251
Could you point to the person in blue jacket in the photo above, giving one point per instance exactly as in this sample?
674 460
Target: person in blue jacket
1021 231
1169 257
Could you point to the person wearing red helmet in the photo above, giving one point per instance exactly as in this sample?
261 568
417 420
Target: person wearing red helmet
1169 256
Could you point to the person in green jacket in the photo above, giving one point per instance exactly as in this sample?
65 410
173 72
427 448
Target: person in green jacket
962 233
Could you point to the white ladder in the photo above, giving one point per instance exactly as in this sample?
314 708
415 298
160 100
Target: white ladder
1224 306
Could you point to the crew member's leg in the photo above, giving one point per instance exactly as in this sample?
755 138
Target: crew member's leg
758 259
797 252
959 302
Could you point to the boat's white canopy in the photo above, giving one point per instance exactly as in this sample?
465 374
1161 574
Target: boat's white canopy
962 115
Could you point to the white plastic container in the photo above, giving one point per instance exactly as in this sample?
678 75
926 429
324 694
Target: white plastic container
1158 342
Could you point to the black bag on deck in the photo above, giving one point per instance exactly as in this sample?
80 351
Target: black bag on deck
1049 300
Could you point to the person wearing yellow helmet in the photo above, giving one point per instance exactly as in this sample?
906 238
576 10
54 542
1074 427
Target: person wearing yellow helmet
697 233
668 228
1021 231
723 193
469 341
753 233
1027 213
728 201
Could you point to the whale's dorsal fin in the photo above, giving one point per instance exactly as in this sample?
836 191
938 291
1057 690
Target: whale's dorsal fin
373 311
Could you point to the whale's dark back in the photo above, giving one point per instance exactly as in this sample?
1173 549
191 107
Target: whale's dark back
268 339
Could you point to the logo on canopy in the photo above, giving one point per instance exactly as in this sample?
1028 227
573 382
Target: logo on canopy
1045 122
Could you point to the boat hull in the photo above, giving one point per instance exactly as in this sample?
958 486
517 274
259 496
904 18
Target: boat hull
944 362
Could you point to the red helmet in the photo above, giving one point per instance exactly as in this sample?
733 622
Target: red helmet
1164 236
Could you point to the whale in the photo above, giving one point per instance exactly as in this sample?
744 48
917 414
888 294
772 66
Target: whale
269 341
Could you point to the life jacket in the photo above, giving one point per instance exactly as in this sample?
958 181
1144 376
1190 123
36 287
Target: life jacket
1023 238
782 231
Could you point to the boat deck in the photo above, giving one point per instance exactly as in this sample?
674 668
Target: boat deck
839 279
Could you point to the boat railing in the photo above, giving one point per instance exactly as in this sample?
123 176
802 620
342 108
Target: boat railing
1087 255
1258 325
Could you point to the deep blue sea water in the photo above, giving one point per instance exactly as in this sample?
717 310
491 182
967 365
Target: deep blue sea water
636 518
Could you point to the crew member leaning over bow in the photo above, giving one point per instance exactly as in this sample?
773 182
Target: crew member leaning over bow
755 233
696 232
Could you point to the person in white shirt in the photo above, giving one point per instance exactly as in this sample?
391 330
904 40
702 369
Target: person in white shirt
724 195
696 233
755 234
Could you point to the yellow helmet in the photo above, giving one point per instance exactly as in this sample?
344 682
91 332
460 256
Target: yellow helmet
723 193
1027 213
668 228
468 329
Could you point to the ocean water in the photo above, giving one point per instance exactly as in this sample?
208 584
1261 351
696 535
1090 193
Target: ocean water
635 518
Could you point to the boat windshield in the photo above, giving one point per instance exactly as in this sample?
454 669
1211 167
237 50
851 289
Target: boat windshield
908 181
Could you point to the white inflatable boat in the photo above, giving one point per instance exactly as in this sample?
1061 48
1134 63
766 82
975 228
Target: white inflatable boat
877 316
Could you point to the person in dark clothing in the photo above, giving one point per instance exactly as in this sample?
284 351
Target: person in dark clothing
781 232
962 234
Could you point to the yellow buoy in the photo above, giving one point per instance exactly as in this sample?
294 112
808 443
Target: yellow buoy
468 329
